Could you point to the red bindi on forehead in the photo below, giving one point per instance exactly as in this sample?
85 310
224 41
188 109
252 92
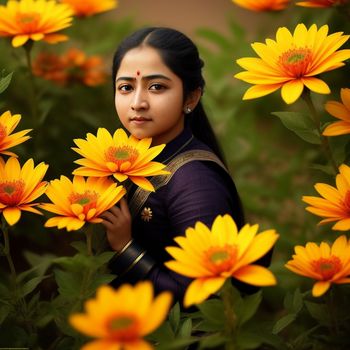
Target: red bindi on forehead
138 72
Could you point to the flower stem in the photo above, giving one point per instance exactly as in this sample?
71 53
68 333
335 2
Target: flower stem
231 319
33 91
317 121
7 251
88 233
334 327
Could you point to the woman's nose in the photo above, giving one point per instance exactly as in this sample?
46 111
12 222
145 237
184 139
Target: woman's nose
139 101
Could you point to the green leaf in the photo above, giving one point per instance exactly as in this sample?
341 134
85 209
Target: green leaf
164 333
246 339
29 286
5 309
283 323
68 283
5 82
212 341
185 329
249 307
294 302
319 312
177 344
213 311
174 317
301 125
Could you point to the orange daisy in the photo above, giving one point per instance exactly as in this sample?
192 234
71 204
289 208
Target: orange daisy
120 156
262 5
293 61
121 318
340 111
8 123
212 256
335 204
322 3
90 7
19 187
35 20
326 264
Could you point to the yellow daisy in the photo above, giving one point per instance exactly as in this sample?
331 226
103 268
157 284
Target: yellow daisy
119 155
212 256
90 7
293 61
8 123
35 20
323 263
121 318
335 204
340 111
262 5
19 187
80 200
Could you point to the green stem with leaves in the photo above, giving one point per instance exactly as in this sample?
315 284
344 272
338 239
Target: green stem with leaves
33 91
317 121
231 319
7 251
89 235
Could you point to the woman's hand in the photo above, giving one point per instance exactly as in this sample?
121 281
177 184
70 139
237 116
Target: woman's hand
117 222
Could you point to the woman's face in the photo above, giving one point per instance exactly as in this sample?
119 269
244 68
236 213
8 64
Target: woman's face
149 96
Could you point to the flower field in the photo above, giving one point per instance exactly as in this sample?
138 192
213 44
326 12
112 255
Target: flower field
278 97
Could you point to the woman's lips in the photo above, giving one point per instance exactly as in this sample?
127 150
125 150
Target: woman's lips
140 120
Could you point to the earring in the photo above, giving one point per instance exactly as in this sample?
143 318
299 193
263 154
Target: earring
188 110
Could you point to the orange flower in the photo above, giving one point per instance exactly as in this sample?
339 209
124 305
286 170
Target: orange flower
71 67
19 187
335 204
79 201
323 263
322 3
119 319
83 8
50 66
340 111
262 5
8 123
212 256
293 61
88 70
121 156
35 20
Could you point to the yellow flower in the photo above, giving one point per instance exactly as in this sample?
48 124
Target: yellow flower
80 200
90 7
210 257
340 111
322 3
323 263
35 20
19 187
8 123
262 5
335 204
120 156
292 62
121 318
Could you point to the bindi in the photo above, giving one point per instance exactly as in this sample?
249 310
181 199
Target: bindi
138 72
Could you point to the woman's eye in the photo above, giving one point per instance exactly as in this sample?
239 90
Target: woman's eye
157 87
125 88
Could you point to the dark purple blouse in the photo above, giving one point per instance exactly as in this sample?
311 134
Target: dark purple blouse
198 191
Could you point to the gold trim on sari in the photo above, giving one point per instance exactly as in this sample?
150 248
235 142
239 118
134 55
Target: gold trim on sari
140 196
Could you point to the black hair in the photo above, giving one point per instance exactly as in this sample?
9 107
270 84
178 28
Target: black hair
181 56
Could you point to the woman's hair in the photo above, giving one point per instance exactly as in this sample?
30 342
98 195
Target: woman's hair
181 56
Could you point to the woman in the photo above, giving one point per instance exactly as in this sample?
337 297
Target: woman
158 84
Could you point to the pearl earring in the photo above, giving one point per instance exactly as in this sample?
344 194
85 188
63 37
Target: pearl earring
188 110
